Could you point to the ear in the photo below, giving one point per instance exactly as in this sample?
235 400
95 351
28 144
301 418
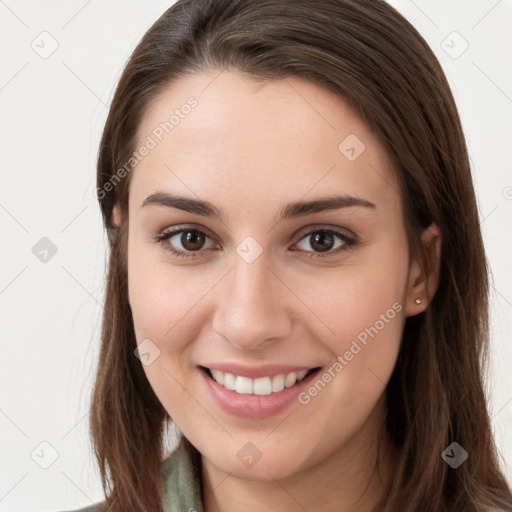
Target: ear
116 215
116 221
424 276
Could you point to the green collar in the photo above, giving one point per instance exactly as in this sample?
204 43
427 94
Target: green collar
182 476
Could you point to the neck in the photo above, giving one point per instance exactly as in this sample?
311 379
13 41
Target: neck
353 478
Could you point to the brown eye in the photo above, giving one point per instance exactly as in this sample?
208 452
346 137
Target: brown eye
324 240
183 242
189 242
192 240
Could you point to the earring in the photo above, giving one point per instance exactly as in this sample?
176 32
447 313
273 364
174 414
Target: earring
418 301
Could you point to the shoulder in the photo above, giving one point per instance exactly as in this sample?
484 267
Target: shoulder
182 481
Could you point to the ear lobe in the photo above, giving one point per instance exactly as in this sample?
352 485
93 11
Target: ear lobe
424 275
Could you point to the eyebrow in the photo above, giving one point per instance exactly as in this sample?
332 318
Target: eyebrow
289 211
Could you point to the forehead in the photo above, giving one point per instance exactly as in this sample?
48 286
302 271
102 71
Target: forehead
221 134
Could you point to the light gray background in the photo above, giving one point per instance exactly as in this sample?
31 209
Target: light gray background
52 113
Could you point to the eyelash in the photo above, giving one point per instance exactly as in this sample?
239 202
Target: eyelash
349 242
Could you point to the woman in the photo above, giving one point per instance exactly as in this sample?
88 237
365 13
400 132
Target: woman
297 276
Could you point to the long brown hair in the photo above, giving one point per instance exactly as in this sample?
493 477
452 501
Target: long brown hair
370 55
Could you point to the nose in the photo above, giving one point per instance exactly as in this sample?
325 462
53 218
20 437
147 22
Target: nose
254 306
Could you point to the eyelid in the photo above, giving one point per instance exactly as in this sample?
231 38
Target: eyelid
327 228
174 230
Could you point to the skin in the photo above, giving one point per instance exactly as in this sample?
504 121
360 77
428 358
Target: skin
250 148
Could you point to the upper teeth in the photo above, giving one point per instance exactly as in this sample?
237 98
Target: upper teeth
261 386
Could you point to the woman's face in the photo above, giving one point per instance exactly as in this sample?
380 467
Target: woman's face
278 278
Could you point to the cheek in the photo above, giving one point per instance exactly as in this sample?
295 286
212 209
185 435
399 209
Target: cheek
151 298
165 300
365 312
359 295
366 325
157 303
161 310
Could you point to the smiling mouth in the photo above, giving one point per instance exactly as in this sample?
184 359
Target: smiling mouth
260 386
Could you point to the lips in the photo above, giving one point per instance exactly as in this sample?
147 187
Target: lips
243 402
